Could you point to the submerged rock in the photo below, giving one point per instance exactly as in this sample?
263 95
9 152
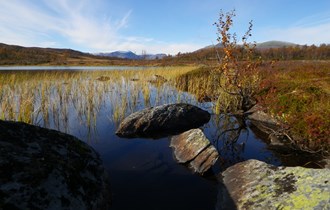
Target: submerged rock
46 169
257 115
161 121
268 125
103 78
194 148
256 185
158 79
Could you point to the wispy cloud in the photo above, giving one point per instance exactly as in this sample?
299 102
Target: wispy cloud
74 24
314 20
309 30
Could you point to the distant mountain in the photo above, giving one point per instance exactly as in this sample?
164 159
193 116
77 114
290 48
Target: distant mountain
274 44
121 54
132 56
262 45
155 56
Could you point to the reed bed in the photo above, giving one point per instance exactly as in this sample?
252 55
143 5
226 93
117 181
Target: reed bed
61 99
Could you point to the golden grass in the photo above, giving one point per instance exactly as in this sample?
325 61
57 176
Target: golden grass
47 98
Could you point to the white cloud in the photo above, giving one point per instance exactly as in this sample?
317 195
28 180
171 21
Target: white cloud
314 20
22 24
74 24
309 30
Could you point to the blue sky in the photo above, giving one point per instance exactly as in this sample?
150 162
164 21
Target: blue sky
166 26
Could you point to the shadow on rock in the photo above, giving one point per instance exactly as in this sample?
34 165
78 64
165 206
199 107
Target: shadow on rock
46 169
162 121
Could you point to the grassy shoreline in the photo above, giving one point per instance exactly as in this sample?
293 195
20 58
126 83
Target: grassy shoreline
296 93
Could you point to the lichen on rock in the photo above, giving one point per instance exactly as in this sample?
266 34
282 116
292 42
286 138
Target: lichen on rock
256 185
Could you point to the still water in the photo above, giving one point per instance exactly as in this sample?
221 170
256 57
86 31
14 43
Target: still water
71 68
143 172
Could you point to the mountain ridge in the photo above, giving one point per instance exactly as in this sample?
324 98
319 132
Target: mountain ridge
131 55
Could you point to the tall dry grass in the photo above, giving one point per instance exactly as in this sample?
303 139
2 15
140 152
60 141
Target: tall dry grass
54 99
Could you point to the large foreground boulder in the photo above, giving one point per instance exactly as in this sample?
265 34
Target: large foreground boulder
256 185
193 148
47 169
161 121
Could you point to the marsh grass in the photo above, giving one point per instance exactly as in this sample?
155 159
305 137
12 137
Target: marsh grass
58 99
203 83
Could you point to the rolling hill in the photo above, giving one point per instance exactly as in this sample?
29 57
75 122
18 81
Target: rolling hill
262 45
275 44
18 55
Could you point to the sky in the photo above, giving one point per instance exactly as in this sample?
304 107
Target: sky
157 26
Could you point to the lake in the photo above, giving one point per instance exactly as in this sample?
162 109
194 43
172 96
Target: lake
72 68
90 104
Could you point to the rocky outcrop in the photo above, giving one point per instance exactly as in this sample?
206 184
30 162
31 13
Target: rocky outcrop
256 185
161 121
47 169
194 149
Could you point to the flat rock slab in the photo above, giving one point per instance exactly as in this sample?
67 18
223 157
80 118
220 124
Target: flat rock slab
46 169
256 185
194 148
162 121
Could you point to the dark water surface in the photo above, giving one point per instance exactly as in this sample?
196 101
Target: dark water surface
143 172
70 68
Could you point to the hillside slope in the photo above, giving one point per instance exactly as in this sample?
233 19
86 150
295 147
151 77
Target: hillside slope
18 55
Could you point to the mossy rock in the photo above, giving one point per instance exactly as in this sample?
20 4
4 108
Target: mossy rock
46 169
256 185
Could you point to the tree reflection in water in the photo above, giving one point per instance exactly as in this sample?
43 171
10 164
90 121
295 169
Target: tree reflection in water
229 134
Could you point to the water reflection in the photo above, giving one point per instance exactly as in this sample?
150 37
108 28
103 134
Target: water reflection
235 141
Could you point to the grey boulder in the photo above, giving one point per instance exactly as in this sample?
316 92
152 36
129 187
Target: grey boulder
162 121
193 148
